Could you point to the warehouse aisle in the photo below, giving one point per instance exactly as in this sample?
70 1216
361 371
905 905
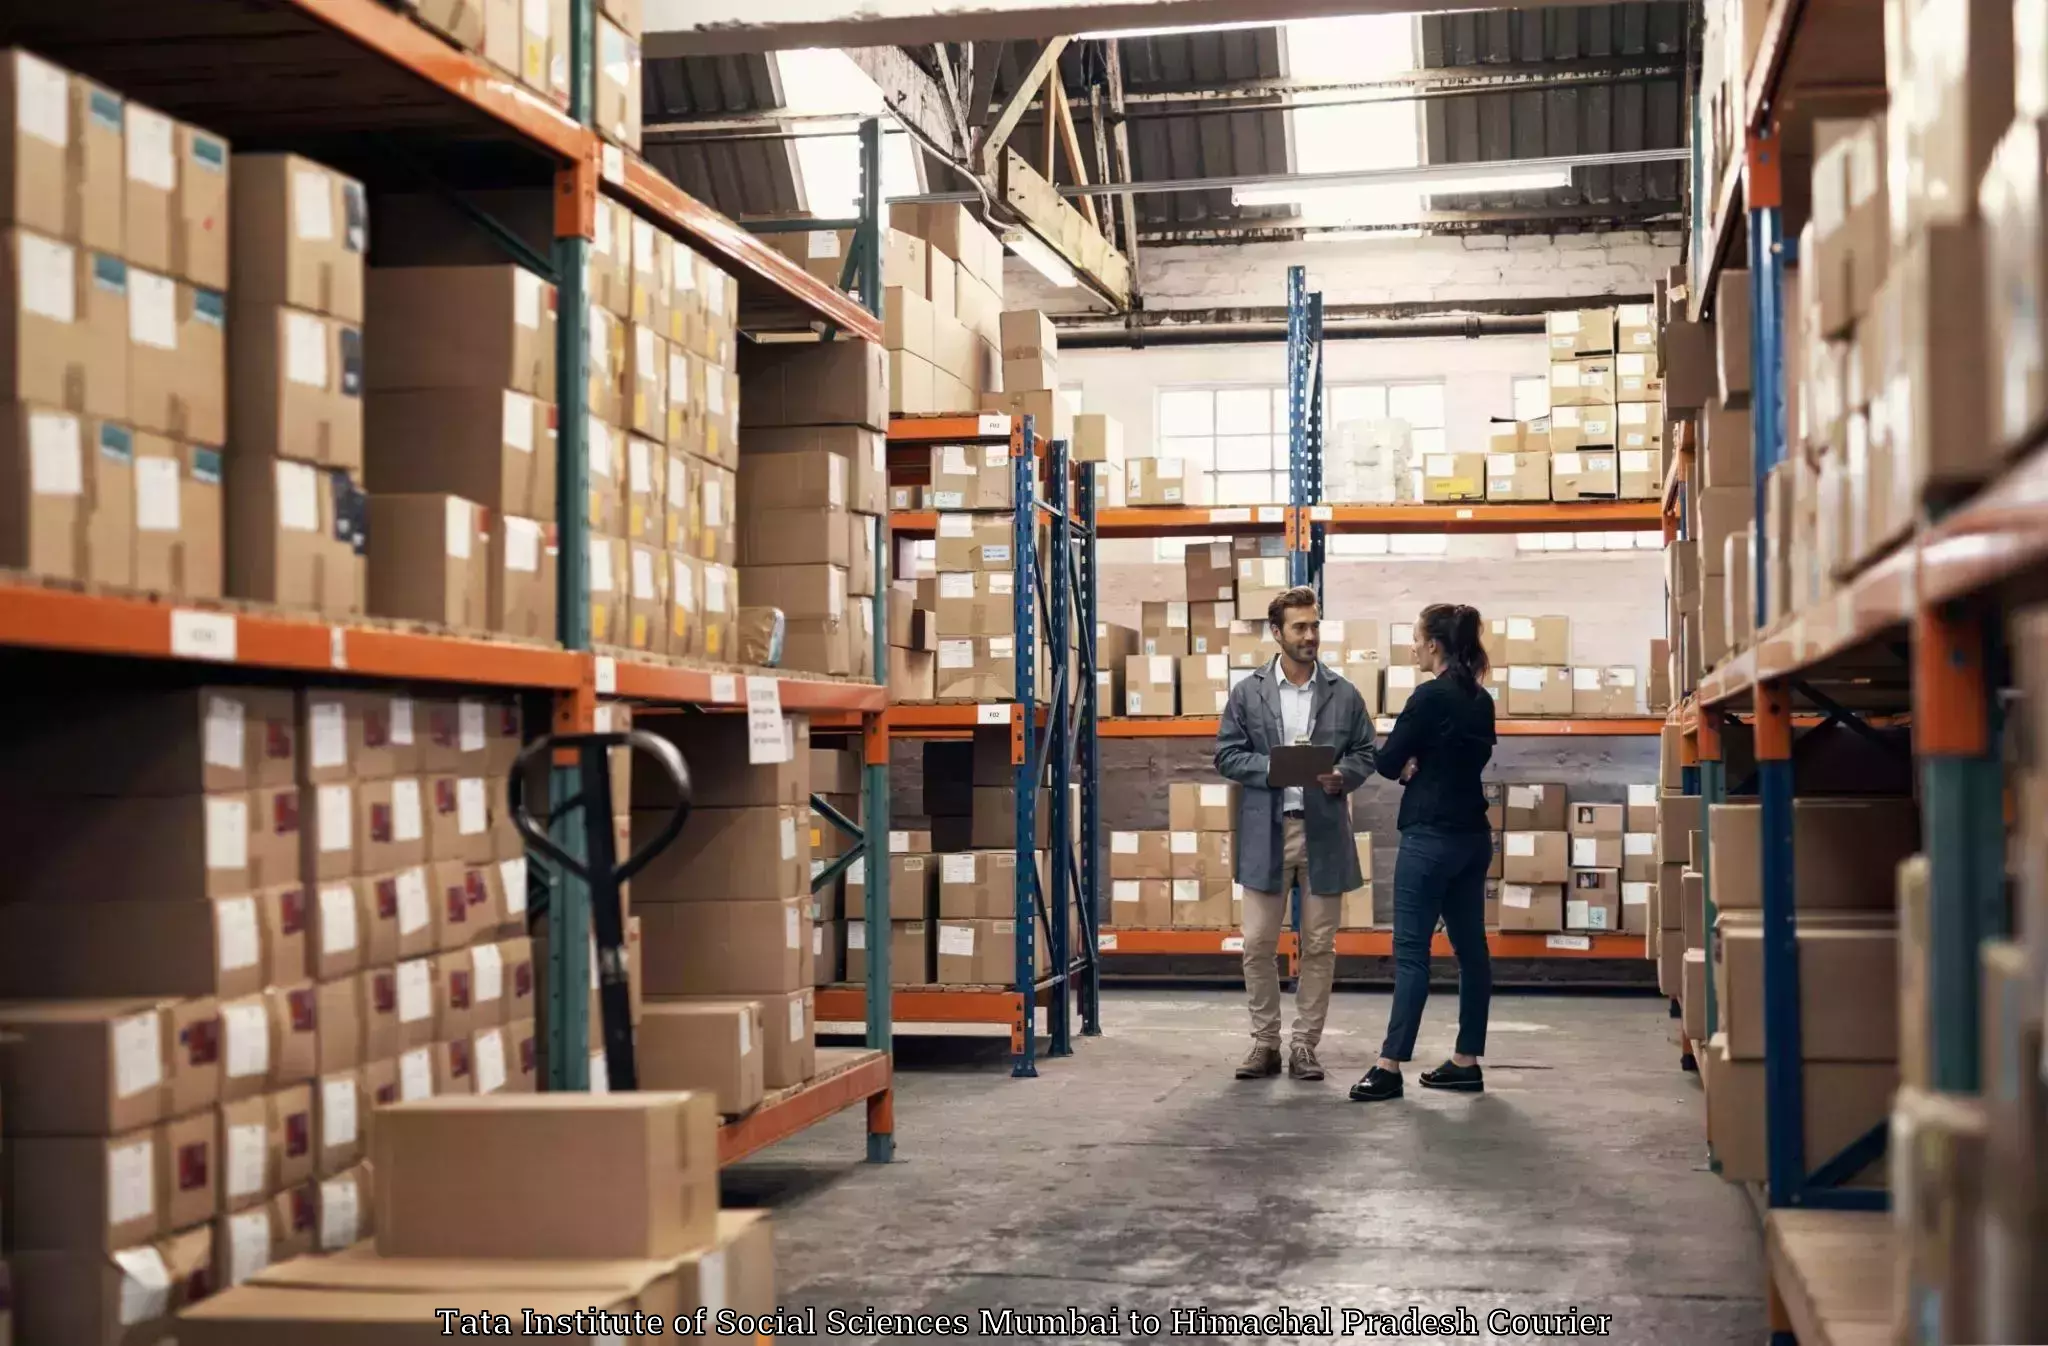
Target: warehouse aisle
1140 1174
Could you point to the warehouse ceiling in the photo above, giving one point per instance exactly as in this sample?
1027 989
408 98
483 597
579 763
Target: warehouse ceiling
1314 96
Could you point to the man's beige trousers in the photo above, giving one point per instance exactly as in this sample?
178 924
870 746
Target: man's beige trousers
1264 914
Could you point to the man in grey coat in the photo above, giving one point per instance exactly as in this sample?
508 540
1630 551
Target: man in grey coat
1293 835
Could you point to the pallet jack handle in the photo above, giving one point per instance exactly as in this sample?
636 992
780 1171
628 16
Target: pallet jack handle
600 871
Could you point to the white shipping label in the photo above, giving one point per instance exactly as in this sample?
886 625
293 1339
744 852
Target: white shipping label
313 205
512 878
412 900
714 502
248 1244
796 1020
461 529
469 726
49 279
159 506
1639 843
490 1062
1585 679
145 1285
246 1029
714 390
792 929
415 991
956 941
338 933
959 869
601 450
339 1212
1182 843
131 1184
1525 679
1622 675
305 349
600 565
226 732
401 721
329 720
1187 890
42 99
1576 911
994 455
489 963
1517 895
1519 843
1523 796
1123 843
1636 460
227 833
1176 616
639 467
1585 852
746 1022
406 812
337 1112
337 813
956 654
1002 583
1521 628
1565 462
643 575
856 935
714 601
247 1159
956 584
789 838
138 1055
1124 890
1219 668
1439 465
821 244
956 525
1642 794
526 297
152 310
152 155
1160 670
56 454
1636 894
1633 413
236 941
416 1075
953 462
470 818
1500 464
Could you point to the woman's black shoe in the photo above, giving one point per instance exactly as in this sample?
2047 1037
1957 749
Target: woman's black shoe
1455 1078
1378 1086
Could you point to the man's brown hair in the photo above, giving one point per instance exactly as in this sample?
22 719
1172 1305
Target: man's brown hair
1301 596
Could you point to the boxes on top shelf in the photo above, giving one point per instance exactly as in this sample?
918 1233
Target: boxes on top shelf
1575 333
461 327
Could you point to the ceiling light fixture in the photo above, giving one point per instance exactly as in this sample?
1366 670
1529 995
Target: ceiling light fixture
1430 181
1042 258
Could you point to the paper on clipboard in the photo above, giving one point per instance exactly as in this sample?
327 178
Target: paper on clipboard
1299 764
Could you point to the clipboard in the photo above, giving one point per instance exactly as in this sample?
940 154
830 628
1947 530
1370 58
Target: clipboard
1299 764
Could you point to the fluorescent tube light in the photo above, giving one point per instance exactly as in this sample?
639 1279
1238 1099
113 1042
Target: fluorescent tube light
1428 182
1042 258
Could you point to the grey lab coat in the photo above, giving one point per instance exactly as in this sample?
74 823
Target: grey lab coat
1250 728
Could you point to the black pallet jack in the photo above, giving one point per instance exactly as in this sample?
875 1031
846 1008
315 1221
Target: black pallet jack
601 870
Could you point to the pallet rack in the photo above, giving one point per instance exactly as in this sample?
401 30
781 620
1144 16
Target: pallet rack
1919 632
361 85
1052 738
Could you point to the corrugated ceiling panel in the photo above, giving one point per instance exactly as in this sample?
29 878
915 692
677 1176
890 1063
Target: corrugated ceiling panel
738 177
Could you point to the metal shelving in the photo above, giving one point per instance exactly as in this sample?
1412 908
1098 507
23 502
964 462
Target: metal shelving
1053 740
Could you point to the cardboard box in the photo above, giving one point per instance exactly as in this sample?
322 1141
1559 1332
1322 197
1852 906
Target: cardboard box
1140 855
1638 900
1573 333
725 948
1582 382
295 386
1848 981
910 952
1209 628
430 560
83 1193
967 477
1200 855
830 383
1260 580
618 91
84 1067
1535 857
1598 820
1534 691
1593 900
704 1045
1450 477
730 854
61 182
974 542
300 236
1211 572
1027 334
1518 476
1150 685
1845 853
1098 439
1160 481
1202 807
63 326
1587 427
864 452
1843 1101
1585 474
177 358
1532 906
1533 640
1204 684
479 327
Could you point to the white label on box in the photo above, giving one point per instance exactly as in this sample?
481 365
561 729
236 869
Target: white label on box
337 1112
1001 584
953 463
1585 679
247 1159
158 506
856 935
714 388
958 869
789 838
56 454
522 545
1525 679
1219 667
152 156
415 991
1565 462
1585 852
512 878
226 733
461 528
305 347
1500 464
237 943
956 941
248 1244
415 1075
600 565
1636 460
1636 894
956 584
313 205
643 352
330 734
643 575
490 1061
1123 843
796 1020
490 972
131 1186
792 934
1517 895
1519 843
246 1029
470 817
956 654
768 739
1439 465
401 721
1575 910
1215 796
49 279
1622 675
994 455
1176 616
152 310
1581 943
145 1285
714 594
714 502
1521 628
601 451
1633 413
956 525
1160 667
227 833
138 1055
42 100
1642 794
412 900
1524 796
1182 843
337 813
1124 890
820 244
1187 890
526 297
1639 843
337 918
469 725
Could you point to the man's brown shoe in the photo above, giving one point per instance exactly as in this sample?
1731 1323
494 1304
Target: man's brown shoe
1260 1063
1302 1063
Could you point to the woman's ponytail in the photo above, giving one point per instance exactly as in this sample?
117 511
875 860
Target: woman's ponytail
1455 628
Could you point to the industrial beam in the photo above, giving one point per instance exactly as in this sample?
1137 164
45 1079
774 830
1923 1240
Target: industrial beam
731 27
1063 117
917 99
1480 78
956 101
985 62
1120 144
988 152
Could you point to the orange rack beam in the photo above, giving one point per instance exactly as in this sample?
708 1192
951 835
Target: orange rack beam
696 686
1378 943
845 1077
949 429
927 1004
1549 517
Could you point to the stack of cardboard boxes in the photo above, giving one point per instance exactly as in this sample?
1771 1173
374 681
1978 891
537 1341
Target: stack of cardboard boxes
1182 878
616 1196
1532 663
113 316
1572 865
812 489
292 907
973 594
725 918
528 42
1190 652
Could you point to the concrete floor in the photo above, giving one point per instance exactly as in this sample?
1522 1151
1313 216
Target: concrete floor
1139 1174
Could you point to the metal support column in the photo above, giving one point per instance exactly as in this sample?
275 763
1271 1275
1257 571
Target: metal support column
1767 258
1089 756
1297 423
1312 488
1029 770
1784 1081
1059 746
1713 789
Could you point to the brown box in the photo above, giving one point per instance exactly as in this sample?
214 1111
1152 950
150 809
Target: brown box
726 948
830 383
1202 903
1848 984
294 1014
1538 691
83 1193
338 1016
1530 857
1843 1101
1202 807
300 235
1150 685
1140 855
1518 476
84 1067
1593 900
63 182
1141 904
727 854
337 1106
1531 906
179 948
1199 855
63 326
1845 853
1451 477
295 386
647 1166
1160 481
981 953
1597 820
976 884
479 327
458 897
295 537
1585 474
177 358
711 1045
494 446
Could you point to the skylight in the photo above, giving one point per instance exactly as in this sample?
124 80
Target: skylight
1358 136
825 82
